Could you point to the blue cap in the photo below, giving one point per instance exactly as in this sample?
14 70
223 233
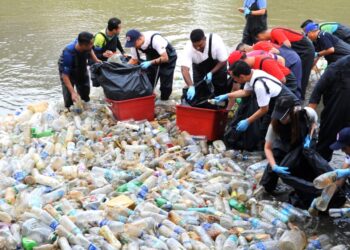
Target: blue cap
343 139
131 37
311 27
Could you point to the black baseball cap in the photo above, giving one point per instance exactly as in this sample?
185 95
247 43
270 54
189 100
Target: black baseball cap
131 37
343 139
282 107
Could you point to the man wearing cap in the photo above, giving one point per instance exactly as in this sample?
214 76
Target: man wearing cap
299 43
107 40
255 13
337 29
160 58
343 143
72 66
266 88
327 45
269 65
334 89
207 56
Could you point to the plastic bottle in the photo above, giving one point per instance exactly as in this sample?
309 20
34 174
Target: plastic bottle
115 226
85 243
62 232
293 239
238 206
36 230
38 107
271 244
109 236
339 212
213 102
45 217
276 213
54 195
299 214
231 242
220 241
173 244
63 244
325 180
69 225
273 220
326 196
320 243
206 239
136 228
44 180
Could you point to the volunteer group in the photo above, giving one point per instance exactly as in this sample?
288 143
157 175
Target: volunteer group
270 67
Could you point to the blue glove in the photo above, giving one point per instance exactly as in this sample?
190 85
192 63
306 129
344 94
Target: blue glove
221 98
209 77
242 125
146 64
247 11
317 55
191 92
342 173
307 141
280 170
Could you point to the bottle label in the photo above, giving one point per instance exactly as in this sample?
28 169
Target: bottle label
260 246
103 223
54 224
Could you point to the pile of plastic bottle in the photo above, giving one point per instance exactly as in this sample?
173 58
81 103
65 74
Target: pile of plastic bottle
81 180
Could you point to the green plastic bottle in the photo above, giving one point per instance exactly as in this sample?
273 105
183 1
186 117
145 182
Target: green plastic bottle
128 186
45 133
238 206
28 244
160 201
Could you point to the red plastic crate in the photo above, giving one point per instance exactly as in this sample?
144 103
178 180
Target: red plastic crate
198 121
137 108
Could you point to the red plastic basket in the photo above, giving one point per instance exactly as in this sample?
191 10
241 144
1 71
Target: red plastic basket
198 121
137 108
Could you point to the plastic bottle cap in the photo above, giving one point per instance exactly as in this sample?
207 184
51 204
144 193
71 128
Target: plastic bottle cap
28 244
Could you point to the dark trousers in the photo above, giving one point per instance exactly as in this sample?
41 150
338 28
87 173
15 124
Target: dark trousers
83 89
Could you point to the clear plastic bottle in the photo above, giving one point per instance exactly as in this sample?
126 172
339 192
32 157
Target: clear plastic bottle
206 239
326 196
64 244
173 244
45 217
339 212
136 228
109 236
231 242
325 180
54 195
89 216
115 226
320 243
36 230
293 239
67 223
44 180
154 242
273 220
276 213
271 244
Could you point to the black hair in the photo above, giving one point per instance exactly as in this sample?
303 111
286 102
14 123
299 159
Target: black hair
306 22
113 23
197 35
84 38
240 46
240 68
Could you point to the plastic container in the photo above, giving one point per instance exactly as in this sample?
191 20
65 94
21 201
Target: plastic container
137 109
197 121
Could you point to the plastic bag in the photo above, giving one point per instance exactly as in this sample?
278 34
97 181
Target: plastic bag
121 81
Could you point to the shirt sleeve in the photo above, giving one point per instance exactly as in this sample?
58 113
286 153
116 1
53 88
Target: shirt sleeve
271 135
327 79
186 56
99 41
248 87
271 67
220 48
347 159
262 4
311 114
120 47
67 62
262 97
133 54
325 42
159 44
278 36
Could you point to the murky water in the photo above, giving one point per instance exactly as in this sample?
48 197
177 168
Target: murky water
33 34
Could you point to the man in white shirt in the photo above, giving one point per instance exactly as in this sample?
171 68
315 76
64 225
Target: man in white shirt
207 56
160 58
266 88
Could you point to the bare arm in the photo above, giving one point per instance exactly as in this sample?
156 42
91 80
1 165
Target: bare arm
164 58
326 52
70 88
269 155
218 66
186 75
258 12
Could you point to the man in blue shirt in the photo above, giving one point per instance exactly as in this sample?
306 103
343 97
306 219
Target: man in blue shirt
72 66
337 29
256 19
327 45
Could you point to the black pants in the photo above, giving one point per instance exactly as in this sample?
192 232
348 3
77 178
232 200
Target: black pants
83 89
165 75
343 33
292 83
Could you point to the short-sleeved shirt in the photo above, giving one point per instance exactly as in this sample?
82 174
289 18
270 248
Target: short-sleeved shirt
325 41
347 159
261 53
68 58
159 43
263 98
265 45
271 67
312 116
261 3
280 35
218 51
329 27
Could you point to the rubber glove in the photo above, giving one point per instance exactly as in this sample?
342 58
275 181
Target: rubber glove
247 11
221 98
307 141
209 77
280 170
342 173
191 92
242 125
317 55
146 64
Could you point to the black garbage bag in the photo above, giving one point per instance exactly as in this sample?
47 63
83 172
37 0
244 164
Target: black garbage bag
305 165
251 138
121 81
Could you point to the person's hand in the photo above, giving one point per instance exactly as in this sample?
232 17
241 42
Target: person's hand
247 11
307 141
241 10
75 96
221 98
342 173
317 55
280 170
209 77
191 92
242 125
146 64
108 54
125 55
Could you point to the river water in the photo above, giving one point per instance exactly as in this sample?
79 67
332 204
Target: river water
33 34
